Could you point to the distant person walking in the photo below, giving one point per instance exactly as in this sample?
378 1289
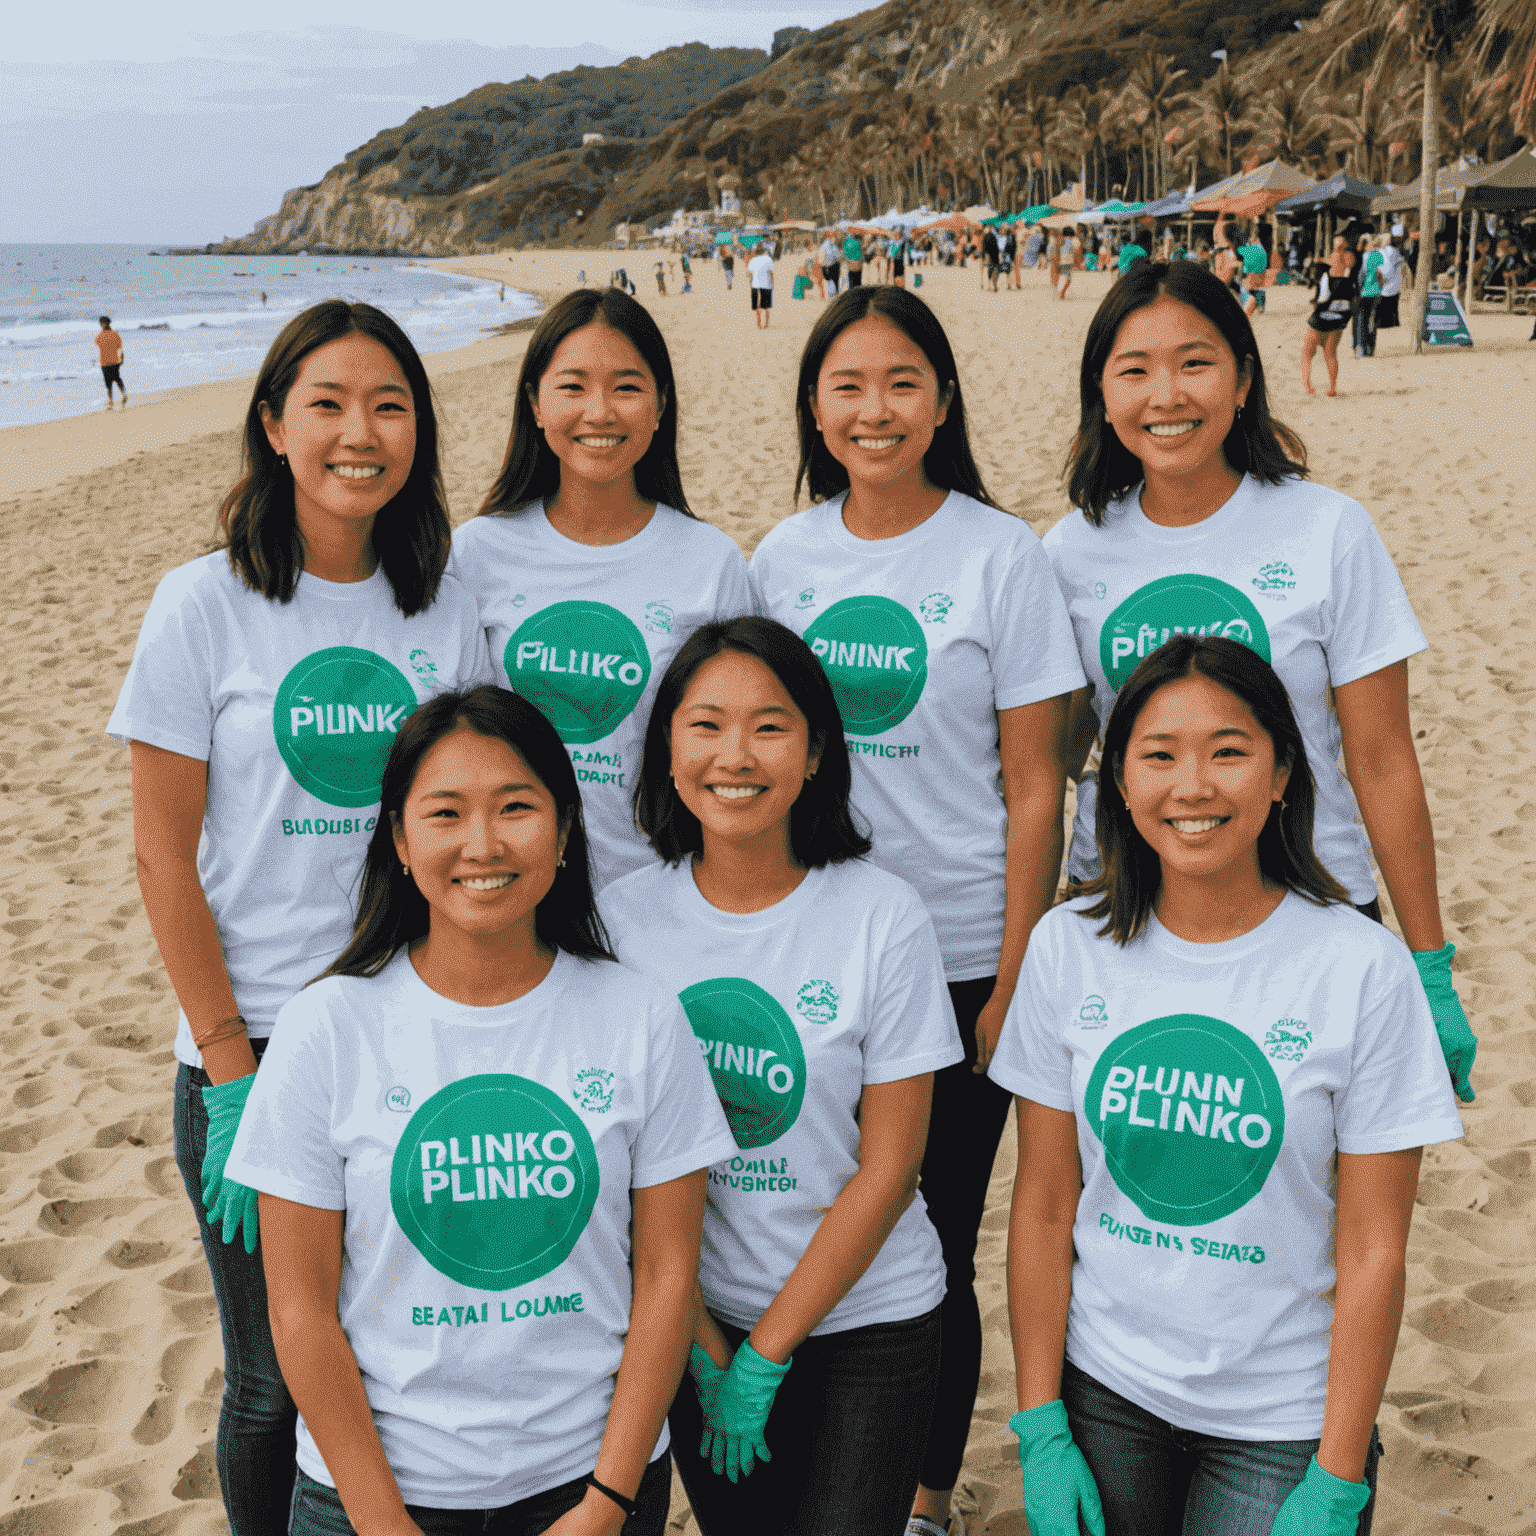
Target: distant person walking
1369 310
1070 259
728 265
109 349
1330 314
761 268
831 265
853 259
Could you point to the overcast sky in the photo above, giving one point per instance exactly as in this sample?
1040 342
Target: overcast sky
177 123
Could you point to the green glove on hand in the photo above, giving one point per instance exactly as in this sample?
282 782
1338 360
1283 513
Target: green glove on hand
1058 1487
226 1201
708 1378
1457 1042
734 1421
1321 1505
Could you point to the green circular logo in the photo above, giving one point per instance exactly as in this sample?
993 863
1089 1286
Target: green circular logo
584 665
876 656
494 1181
1176 605
335 718
754 1056
1190 1116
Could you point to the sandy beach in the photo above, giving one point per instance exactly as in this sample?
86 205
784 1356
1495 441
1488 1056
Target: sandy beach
110 1359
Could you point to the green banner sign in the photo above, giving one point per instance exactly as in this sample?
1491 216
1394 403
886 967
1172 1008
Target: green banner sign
1445 323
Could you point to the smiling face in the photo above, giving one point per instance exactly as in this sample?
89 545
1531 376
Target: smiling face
1199 778
741 752
1172 388
597 405
480 834
348 430
878 403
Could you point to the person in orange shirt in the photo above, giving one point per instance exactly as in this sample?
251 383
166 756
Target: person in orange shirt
109 347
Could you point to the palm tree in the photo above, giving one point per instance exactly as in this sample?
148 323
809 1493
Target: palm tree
1507 31
1225 99
1431 32
1290 124
1152 87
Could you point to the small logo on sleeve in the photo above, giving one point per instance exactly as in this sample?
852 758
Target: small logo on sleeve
935 607
399 1100
1275 579
659 618
1287 1040
594 1090
1093 1014
817 1001
807 599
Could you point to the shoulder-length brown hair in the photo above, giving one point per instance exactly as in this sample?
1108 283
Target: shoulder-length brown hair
1100 467
530 471
1132 876
410 532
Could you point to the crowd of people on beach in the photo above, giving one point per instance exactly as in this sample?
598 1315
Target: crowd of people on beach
606 966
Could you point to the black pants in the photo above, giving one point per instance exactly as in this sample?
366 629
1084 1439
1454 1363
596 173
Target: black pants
969 1113
112 373
855 277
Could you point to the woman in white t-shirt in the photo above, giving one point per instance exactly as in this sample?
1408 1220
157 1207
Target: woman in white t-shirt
481 1150
268 682
814 985
588 566
1226 1077
940 625
1196 518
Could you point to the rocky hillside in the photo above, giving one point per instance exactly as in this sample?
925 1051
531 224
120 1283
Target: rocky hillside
943 100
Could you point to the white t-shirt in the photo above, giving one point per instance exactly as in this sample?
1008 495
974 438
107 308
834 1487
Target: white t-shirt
1296 571
586 631
831 253
761 268
796 1008
294 707
1213 1085
484 1158
1391 271
925 637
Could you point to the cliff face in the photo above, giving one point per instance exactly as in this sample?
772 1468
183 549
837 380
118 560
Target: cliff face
504 166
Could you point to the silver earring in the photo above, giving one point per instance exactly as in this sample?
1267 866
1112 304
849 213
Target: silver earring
560 862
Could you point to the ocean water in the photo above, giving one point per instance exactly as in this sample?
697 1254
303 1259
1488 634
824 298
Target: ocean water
192 319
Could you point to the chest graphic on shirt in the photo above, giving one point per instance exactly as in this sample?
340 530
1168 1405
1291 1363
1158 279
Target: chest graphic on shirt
875 655
583 664
754 1054
1176 605
494 1181
335 718
1190 1116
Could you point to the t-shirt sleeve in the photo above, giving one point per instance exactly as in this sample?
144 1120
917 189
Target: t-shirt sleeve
167 697
1370 620
1032 1060
685 1128
735 598
284 1146
913 1029
1399 1093
1034 652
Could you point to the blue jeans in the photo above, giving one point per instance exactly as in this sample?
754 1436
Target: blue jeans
846 1433
1156 1480
255 1444
317 1510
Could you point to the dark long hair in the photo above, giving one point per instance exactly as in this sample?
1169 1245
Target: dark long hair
821 826
410 532
948 462
1133 874
392 911
530 471
1100 467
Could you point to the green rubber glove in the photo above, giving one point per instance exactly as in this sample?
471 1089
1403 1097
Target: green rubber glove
226 1201
1457 1042
1321 1505
708 1378
734 1421
1058 1487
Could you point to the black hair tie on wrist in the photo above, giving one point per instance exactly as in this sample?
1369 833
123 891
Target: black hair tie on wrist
627 1505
